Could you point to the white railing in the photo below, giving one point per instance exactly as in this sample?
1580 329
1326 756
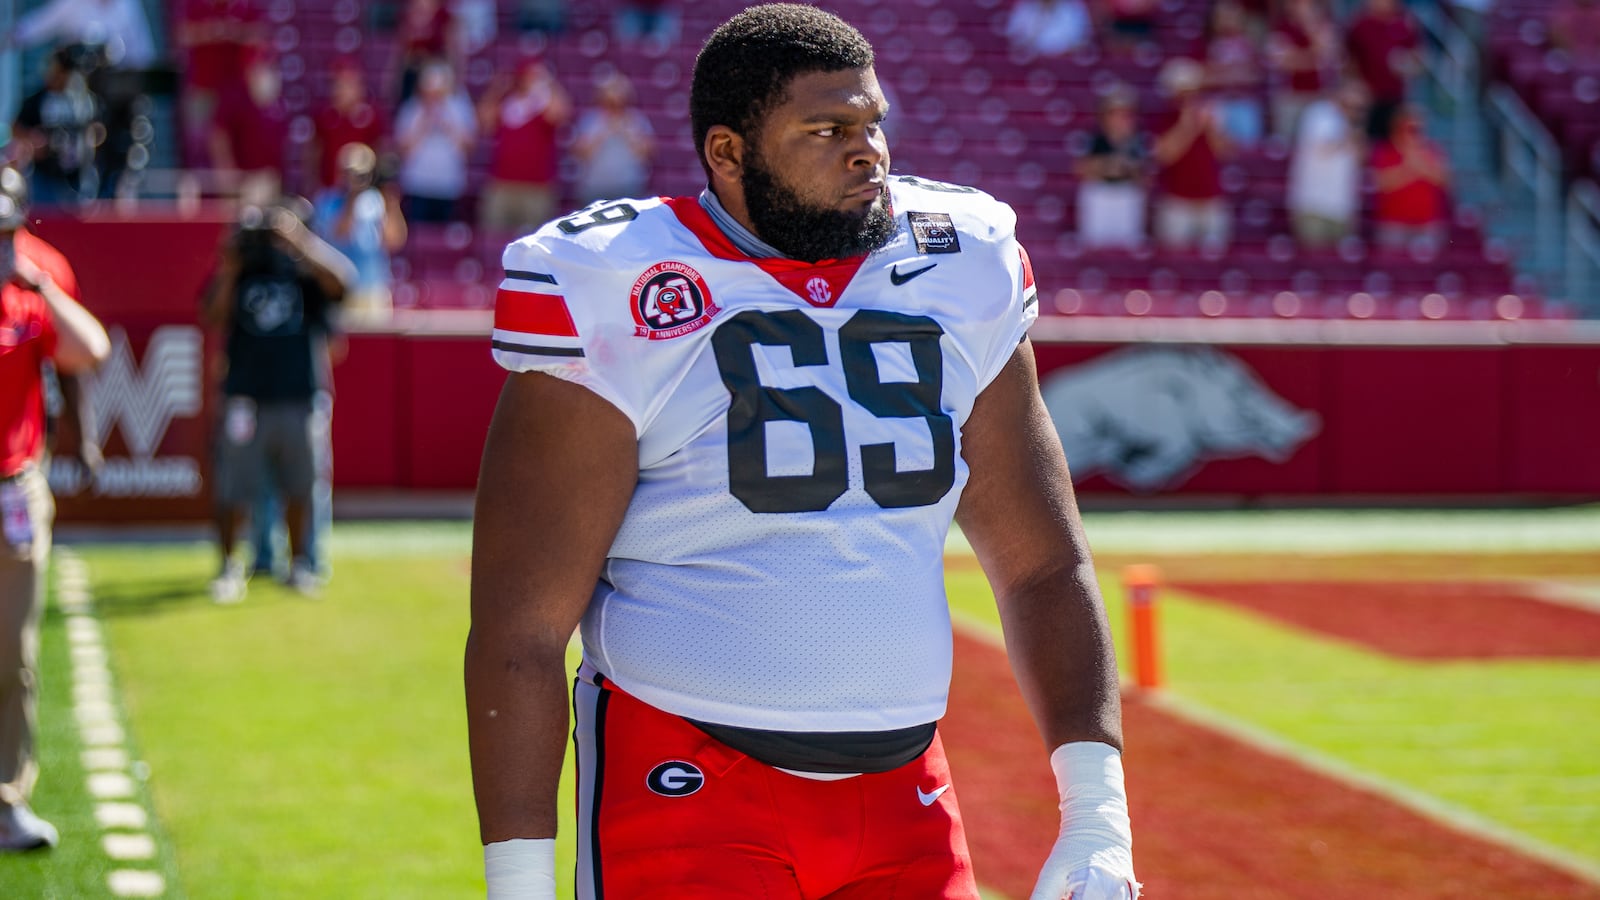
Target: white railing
1530 170
1451 65
1583 248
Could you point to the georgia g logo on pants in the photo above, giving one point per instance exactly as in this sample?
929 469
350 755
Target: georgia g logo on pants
675 778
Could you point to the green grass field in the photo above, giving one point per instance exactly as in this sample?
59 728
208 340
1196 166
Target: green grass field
300 748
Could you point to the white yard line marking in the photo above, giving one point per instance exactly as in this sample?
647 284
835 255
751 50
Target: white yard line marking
1580 594
119 811
1426 805
1423 804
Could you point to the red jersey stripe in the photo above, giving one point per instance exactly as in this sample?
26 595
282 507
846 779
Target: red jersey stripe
1027 268
533 314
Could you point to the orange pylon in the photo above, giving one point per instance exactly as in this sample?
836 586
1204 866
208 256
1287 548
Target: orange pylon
1141 582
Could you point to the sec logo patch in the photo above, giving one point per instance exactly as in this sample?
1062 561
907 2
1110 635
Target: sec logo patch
675 778
670 300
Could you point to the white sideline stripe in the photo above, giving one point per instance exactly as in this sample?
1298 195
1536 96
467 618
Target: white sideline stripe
1423 804
136 883
121 815
102 759
105 757
124 847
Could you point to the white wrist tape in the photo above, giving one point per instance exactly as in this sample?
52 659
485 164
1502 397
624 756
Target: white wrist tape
1094 807
520 869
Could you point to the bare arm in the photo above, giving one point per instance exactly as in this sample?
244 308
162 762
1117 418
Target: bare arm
332 270
1021 517
216 305
559 468
81 341
394 222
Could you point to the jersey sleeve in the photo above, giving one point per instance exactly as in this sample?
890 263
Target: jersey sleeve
1018 316
536 329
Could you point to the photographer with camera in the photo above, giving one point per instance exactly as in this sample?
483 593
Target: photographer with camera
361 218
273 297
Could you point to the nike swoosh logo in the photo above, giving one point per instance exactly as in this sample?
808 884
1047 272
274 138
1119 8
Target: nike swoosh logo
926 798
898 279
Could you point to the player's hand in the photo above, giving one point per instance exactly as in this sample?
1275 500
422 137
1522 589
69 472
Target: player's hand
1090 883
1093 856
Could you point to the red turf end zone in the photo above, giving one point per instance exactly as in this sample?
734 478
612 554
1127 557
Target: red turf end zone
1214 819
1420 619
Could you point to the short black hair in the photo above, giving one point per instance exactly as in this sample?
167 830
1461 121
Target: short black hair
746 65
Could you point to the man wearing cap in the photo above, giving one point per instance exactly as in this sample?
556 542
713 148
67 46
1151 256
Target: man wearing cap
38 321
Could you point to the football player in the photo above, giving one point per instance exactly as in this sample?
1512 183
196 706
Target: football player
738 428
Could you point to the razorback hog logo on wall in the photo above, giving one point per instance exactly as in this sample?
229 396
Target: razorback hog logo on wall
670 300
1149 417
141 402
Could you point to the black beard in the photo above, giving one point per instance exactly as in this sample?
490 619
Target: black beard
810 233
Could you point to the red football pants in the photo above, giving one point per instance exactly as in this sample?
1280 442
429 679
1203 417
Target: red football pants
668 813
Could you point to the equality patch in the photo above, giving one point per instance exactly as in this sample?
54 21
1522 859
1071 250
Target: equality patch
934 232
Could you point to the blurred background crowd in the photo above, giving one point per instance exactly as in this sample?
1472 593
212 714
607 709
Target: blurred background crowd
1188 157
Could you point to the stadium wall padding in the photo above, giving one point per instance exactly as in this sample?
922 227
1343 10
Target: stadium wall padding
1473 416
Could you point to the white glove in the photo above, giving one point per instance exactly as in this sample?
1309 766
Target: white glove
1093 856
520 869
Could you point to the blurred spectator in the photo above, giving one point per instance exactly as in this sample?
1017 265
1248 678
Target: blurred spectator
647 20
1303 50
1324 196
364 223
1128 23
478 21
1049 27
1111 196
613 143
250 128
43 324
1575 28
1192 210
119 26
348 118
1413 181
57 131
1382 47
221 36
428 32
272 298
1233 73
522 117
434 131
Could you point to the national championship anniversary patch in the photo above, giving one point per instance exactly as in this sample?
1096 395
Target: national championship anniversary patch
670 300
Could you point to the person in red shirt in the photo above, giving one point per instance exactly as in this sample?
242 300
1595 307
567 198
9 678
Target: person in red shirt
251 126
1188 149
219 37
1302 49
348 118
1413 181
1575 28
1382 46
523 119
428 31
39 322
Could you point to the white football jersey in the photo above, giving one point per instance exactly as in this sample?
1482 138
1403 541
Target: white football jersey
781 564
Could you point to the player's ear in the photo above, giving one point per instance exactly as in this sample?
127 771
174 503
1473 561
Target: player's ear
724 150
